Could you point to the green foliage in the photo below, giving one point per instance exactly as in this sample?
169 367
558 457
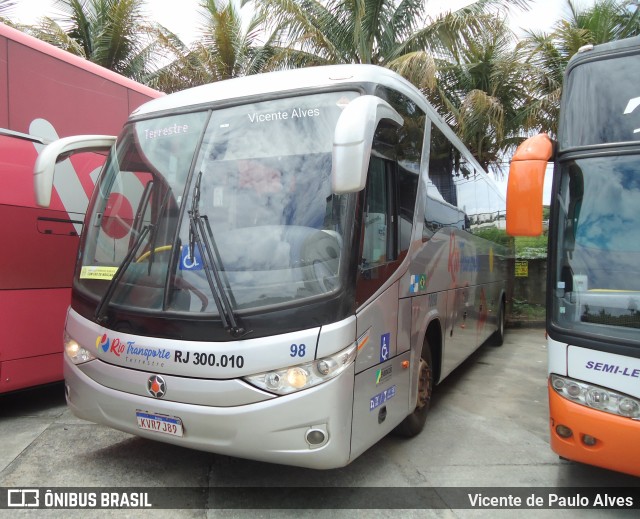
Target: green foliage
112 33
496 235
483 92
522 310
491 89
531 247
549 53
229 46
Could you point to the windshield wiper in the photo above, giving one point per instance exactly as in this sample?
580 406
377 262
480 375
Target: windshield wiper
205 242
100 314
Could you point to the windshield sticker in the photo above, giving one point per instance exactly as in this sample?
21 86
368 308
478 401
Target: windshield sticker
189 262
98 272
631 106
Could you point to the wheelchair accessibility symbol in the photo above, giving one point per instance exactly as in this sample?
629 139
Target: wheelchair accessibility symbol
385 351
188 262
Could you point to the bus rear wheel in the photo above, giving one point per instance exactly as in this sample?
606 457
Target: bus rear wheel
497 339
413 424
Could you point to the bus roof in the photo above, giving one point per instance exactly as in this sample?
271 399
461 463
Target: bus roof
21 38
280 81
589 52
298 80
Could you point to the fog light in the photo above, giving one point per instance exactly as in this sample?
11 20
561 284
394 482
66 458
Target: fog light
588 440
564 432
315 437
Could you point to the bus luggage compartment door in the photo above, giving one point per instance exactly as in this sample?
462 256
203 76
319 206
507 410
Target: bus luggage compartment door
381 396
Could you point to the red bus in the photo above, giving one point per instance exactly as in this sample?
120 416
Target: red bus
46 93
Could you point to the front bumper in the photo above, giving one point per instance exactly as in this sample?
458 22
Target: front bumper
272 430
617 444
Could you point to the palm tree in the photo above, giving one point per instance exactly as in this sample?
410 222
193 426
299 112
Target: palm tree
112 33
396 34
482 92
604 21
442 55
229 46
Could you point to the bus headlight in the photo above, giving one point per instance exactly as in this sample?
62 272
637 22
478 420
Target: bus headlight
596 397
76 353
303 376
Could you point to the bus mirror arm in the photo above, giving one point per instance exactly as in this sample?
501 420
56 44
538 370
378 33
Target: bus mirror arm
352 141
525 185
59 150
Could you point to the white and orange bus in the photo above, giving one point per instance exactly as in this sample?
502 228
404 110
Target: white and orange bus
593 288
46 93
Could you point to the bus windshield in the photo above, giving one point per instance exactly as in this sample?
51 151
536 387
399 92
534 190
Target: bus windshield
599 105
243 190
595 290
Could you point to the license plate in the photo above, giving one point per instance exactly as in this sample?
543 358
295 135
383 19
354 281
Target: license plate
159 423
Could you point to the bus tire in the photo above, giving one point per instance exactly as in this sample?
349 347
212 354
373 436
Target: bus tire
497 339
413 424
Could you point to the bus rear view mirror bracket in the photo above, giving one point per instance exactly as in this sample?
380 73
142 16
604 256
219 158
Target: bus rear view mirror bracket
525 185
352 141
58 150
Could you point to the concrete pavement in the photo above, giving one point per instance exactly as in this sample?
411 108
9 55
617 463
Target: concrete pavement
487 428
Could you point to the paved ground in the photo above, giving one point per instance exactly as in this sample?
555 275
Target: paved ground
487 428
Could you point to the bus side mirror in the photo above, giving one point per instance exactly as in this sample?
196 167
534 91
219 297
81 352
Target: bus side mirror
525 186
352 141
58 151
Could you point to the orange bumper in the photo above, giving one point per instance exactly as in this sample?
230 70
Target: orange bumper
618 438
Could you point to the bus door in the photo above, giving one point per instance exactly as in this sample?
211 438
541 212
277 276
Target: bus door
381 395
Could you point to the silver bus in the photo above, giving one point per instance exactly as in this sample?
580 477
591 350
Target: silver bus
280 267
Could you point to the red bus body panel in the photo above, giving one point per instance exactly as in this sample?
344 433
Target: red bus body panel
46 93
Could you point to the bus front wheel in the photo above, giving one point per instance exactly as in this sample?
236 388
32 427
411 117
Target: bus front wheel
413 424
